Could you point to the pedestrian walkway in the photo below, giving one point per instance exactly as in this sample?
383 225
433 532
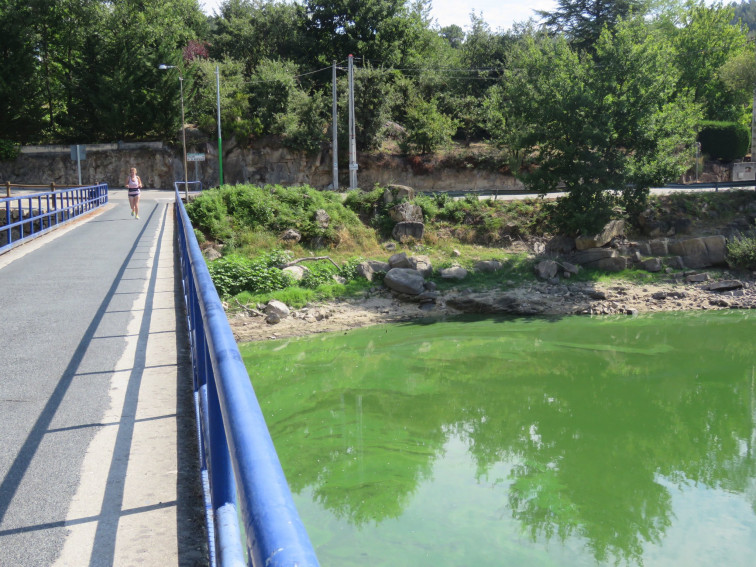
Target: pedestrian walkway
98 457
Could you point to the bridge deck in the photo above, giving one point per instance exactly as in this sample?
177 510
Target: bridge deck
98 461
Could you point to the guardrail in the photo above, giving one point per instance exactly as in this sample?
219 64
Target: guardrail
27 216
236 451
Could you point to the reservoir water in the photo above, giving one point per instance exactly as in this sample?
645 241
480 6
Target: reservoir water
491 442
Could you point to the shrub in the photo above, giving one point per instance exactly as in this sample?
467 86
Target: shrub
741 253
427 128
8 150
727 141
234 274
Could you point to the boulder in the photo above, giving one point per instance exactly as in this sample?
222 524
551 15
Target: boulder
422 264
378 266
397 193
488 266
291 235
612 229
725 285
700 252
570 268
399 260
651 265
276 310
322 218
408 229
365 270
453 273
405 280
613 264
406 212
592 255
546 269
495 304
296 272
697 278
560 245
658 247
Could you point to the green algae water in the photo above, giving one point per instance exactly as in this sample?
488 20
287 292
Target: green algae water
495 442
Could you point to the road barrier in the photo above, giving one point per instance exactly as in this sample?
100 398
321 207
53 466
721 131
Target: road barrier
236 451
27 216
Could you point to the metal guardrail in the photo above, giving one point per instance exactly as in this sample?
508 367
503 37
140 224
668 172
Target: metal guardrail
236 451
27 216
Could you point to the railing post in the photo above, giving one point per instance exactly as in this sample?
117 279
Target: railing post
7 189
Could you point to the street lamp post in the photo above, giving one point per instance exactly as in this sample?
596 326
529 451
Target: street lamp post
183 125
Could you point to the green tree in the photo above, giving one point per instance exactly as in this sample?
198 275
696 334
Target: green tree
270 88
605 129
427 129
583 21
704 40
252 30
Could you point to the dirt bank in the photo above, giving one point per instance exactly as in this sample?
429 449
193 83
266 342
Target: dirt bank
678 294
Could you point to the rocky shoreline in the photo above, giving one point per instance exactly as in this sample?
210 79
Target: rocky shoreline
680 293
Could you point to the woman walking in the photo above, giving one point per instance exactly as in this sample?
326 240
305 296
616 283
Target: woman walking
134 184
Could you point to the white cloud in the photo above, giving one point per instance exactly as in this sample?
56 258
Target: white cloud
499 14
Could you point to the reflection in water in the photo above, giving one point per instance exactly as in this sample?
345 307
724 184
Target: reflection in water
601 435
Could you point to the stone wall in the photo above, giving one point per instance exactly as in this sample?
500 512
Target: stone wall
159 165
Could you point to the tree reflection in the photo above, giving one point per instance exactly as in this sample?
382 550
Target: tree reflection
591 431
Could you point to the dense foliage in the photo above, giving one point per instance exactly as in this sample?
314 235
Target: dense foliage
724 140
596 95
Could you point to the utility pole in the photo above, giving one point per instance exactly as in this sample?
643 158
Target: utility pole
352 137
334 128
220 145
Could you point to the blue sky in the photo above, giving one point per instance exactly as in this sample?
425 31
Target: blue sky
497 13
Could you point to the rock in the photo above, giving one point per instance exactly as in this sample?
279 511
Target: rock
322 218
378 266
364 270
612 229
597 294
404 280
592 255
560 245
697 278
422 264
430 286
390 246
658 247
275 306
659 295
397 193
539 248
399 260
700 252
291 235
408 229
725 285
456 253
406 212
546 269
681 225
644 248
497 304
453 273
676 262
273 318
296 272
570 268
488 266
212 254
651 265
613 264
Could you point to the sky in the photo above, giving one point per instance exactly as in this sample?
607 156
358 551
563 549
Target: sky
499 14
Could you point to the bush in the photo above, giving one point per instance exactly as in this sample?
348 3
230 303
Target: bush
427 128
8 150
727 141
234 274
741 253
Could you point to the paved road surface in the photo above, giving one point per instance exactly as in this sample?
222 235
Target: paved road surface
98 462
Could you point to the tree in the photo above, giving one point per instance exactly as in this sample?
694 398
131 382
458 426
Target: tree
582 21
427 128
604 128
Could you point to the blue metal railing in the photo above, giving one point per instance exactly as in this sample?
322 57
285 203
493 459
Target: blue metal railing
236 450
27 216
